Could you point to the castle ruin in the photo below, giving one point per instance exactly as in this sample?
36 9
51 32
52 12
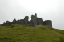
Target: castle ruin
33 22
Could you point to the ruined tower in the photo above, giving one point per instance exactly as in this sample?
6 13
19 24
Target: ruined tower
26 20
36 15
39 21
48 23
34 19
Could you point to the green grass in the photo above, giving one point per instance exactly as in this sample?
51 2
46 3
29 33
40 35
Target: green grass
22 33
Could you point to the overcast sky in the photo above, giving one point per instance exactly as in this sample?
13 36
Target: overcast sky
46 9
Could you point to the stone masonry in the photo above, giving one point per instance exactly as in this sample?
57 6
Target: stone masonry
33 22
39 21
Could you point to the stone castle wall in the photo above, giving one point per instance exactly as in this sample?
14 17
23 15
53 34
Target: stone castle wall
33 22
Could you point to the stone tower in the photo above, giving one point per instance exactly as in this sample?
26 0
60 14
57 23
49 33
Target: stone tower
36 15
48 23
26 20
34 19
14 20
39 21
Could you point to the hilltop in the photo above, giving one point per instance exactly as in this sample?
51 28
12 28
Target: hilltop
23 33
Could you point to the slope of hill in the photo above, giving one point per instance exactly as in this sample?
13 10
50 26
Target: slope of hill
22 33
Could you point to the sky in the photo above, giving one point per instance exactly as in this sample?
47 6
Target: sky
45 9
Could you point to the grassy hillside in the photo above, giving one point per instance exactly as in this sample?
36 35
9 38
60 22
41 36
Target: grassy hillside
22 33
